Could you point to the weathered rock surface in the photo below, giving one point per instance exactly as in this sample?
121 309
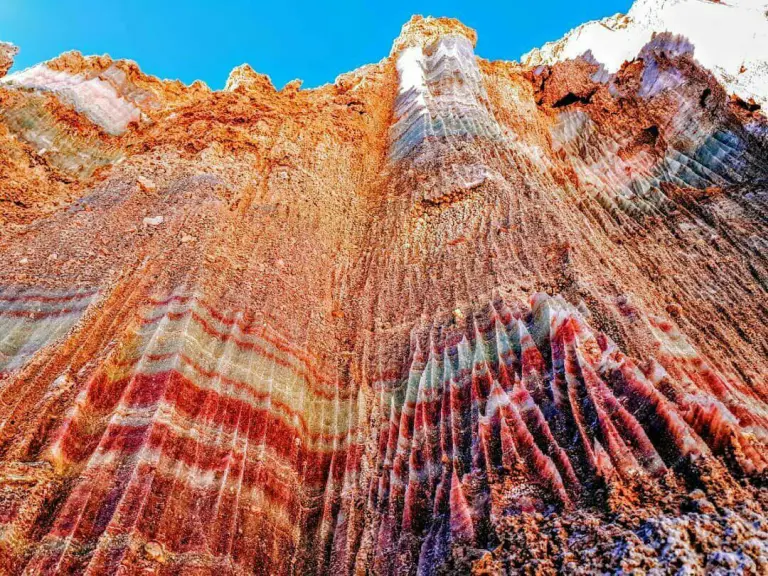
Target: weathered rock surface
731 39
7 53
443 315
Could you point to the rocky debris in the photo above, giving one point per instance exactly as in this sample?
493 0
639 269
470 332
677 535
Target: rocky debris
718 542
146 184
153 220
154 551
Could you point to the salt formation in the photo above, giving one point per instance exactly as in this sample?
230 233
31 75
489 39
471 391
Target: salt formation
731 39
444 315
97 99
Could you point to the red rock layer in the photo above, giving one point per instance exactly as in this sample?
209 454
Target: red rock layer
442 313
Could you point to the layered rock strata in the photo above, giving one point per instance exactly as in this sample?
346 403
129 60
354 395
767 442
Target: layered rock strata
442 315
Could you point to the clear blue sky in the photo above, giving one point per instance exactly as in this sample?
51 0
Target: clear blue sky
314 41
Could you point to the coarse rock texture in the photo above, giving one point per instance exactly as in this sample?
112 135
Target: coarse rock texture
7 53
731 38
442 316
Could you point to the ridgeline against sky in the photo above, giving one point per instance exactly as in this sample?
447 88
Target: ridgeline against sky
313 41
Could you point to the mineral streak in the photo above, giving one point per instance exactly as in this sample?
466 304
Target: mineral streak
443 315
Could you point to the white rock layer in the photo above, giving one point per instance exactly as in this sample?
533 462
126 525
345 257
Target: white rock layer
730 38
97 99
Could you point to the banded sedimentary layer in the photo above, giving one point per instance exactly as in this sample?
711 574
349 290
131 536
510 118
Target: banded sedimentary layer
442 315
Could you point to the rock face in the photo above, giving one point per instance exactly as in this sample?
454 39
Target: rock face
443 315
731 39
7 53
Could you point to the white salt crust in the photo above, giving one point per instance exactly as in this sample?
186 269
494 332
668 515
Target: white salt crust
730 38
97 99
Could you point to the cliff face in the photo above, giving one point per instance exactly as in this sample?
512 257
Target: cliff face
731 39
442 315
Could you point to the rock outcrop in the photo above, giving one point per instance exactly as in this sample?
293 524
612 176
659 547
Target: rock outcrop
443 315
7 53
731 40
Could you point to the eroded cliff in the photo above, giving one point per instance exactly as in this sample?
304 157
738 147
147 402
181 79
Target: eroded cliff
442 315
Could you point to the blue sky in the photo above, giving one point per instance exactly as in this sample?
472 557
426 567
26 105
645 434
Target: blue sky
314 41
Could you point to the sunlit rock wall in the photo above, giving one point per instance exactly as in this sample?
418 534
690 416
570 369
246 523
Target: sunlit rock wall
442 315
